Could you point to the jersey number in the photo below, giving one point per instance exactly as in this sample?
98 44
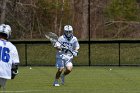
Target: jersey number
4 54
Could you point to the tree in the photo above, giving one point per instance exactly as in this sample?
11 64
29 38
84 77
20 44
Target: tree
124 10
81 18
122 18
85 19
3 11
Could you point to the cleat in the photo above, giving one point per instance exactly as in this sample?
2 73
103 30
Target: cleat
62 79
56 83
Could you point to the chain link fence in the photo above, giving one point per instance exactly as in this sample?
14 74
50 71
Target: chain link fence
100 53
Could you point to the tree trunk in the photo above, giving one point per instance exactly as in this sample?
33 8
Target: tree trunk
3 11
97 18
72 11
78 17
61 18
55 20
85 20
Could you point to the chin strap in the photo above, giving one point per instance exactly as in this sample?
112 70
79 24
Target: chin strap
68 38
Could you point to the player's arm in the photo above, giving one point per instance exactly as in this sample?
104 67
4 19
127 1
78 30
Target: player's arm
75 52
15 62
76 48
59 46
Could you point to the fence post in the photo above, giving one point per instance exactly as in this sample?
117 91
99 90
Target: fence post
26 63
119 55
89 32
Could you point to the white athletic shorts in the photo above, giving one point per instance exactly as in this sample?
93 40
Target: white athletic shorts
61 63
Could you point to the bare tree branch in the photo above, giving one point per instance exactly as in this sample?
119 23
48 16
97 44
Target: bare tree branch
120 30
126 22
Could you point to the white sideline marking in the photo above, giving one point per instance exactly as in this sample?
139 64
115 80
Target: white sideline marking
22 91
26 91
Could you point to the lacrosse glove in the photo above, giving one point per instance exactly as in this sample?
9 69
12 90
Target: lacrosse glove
14 70
75 53
64 49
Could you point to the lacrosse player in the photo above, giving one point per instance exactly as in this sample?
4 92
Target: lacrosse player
67 48
9 58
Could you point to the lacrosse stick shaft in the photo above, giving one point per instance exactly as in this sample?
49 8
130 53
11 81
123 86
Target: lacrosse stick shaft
54 38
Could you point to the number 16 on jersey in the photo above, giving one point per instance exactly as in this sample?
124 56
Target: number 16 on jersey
4 54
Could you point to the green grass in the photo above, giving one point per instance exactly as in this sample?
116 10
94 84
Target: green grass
81 80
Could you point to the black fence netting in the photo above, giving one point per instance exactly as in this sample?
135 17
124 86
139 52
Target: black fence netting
93 53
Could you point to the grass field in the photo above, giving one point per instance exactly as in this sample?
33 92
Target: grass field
81 80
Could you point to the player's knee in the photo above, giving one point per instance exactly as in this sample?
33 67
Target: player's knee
69 69
60 70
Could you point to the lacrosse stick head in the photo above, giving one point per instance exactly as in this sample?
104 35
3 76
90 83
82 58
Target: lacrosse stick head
52 37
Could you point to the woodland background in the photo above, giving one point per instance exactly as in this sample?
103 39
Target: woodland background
102 19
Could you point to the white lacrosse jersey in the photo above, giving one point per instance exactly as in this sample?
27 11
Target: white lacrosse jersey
8 55
72 45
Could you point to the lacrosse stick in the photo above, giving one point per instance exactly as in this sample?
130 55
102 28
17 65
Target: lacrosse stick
54 39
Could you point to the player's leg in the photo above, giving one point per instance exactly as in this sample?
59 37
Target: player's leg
60 66
3 83
68 69
57 76
58 73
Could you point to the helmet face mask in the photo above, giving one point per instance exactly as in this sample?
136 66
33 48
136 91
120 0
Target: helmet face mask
5 29
68 31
